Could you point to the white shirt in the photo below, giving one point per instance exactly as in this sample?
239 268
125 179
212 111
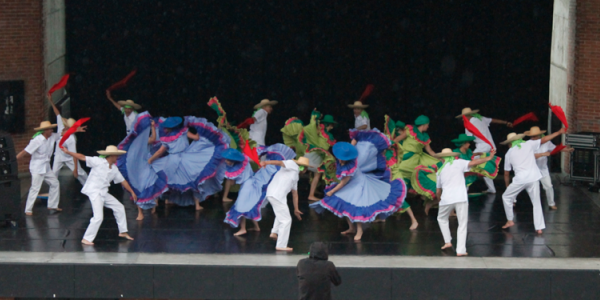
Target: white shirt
100 177
360 121
285 180
70 144
40 149
522 161
452 182
483 126
129 120
258 130
542 162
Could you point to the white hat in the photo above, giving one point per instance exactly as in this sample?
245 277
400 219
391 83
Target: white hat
130 103
45 125
511 137
447 152
303 161
68 122
112 150
534 131
358 104
467 112
264 102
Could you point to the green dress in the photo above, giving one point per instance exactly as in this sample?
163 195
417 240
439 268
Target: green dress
393 156
414 156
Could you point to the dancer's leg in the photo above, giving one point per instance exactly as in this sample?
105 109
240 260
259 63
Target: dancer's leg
228 183
313 187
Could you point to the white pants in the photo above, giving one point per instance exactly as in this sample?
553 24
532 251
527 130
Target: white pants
485 148
36 184
283 222
533 189
548 188
98 204
81 174
462 213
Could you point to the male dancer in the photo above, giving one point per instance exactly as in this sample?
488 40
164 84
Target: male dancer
361 117
40 149
60 158
452 191
283 182
521 158
258 129
483 124
96 188
129 110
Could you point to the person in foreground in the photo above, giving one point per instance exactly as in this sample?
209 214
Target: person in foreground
283 182
316 274
521 158
452 191
96 188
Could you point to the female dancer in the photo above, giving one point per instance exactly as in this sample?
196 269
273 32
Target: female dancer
365 191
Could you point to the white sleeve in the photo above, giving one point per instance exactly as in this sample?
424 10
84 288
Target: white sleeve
92 161
468 133
118 177
260 115
438 183
465 165
295 188
550 146
535 145
290 164
33 145
360 121
70 144
487 121
507 165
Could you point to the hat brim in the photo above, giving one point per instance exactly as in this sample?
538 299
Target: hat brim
134 105
271 103
453 154
302 164
456 141
118 153
514 138
528 133
468 114
358 106
46 127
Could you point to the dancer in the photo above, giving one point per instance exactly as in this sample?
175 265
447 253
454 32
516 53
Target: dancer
283 182
394 131
541 156
252 193
96 188
521 158
489 169
129 110
483 124
40 149
361 117
452 192
258 127
415 139
365 192
60 158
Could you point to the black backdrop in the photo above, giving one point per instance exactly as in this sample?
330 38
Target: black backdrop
424 57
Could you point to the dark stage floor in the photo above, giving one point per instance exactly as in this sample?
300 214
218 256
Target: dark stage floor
571 231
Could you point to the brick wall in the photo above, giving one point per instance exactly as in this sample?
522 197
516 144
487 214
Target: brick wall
21 58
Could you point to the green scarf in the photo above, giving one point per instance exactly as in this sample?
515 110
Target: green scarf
300 168
256 112
517 143
102 156
127 106
364 114
477 116
447 161
36 134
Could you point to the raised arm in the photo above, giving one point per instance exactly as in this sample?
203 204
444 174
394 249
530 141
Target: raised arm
272 162
340 185
109 96
552 136
158 153
75 155
152 138
56 111
479 161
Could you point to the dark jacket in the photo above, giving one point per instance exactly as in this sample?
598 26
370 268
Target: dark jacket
316 274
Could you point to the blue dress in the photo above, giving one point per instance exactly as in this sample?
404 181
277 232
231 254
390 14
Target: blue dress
370 193
252 195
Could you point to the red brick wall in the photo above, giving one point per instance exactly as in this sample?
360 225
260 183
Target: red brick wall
22 58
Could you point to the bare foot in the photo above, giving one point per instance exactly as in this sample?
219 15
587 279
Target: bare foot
86 242
288 249
508 224
349 231
257 229
29 214
313 198
414 226
553 207
273 236
241 232
140 216
446 246
56 209
227 200
428 206
539 231
167 202
153 210
358 236
198 207
125 235
462 254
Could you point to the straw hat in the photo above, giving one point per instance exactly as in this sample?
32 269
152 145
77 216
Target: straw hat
534 131
511 137
68 122
130 103
111 150
303 161
45 125
358 104
264 102
447 152
467 112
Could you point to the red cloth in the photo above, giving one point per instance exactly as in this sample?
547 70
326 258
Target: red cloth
123 82
366 93
61 84
558 149
246 123
560 114
471 128
252 154
71 131
527 117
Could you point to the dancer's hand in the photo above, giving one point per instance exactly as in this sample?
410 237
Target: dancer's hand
298 214
149 161
134 196
509 124
75 173
81 129
152 123
263 164
329 194
492 154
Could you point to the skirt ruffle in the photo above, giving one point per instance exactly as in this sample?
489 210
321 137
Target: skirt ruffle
276 152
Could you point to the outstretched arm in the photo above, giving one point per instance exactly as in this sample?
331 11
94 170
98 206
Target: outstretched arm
157 154
56 111
340 185
479 161
22 154
109 96
538 155
502 122
126 185
272 162
429 150
552 136
75 155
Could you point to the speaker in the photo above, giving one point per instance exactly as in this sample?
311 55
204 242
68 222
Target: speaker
12 106
8 158
10 201
584 165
